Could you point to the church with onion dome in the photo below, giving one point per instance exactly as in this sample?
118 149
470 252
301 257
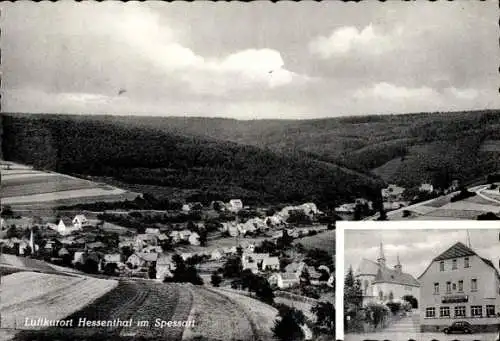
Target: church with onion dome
380 283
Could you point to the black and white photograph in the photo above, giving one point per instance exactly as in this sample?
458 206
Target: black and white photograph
179 170
438 281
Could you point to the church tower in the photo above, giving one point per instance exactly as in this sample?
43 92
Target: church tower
381 257
398 267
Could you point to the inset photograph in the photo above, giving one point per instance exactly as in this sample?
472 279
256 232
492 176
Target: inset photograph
426 281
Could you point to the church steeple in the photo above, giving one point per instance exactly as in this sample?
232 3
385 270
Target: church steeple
398 266
381 257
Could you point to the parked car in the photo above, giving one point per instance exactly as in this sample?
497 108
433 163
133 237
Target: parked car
459 327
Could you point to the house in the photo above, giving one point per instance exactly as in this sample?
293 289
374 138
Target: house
249 263
79 257
96 245
144 239
151 230
186 208
216 254
459 284
152 249
250 248
64 227
184 234
235 205
186 255
295 267
426 187
3 224
140 259
271 264
162 237
379 283
393 193
230 250
164 266
63 252
79 221
194 239
112 258
284 280
346 208
175 236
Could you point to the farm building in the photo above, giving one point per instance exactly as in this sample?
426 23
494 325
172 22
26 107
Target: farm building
271 264
140 259
284 279
164 266
248 263
235 205
79 221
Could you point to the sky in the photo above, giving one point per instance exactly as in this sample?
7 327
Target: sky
416 248
249 60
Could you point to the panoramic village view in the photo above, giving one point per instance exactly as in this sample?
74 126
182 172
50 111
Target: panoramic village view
422 284
179 171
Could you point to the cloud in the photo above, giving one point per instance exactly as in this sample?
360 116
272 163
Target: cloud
389 91
346 39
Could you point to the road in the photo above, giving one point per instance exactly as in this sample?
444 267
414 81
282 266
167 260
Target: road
403 336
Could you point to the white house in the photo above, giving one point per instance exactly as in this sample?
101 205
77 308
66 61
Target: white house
184 234
295 267
271 264
249 263
79 221
186 207
216 254
426 187
346 208
186 255
112 258
284 279
194 239
164 266
235 205
151 230
141 259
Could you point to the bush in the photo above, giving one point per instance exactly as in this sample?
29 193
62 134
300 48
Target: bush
395 307
464 194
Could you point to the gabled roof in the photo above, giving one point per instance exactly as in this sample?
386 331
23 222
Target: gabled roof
460 250
271 261
456 251
386 275
367 267
289 276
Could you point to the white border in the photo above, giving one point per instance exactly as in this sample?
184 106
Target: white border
388 225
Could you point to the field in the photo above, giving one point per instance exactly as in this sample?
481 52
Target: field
443 209
262 315
28 188
218 318
324 241
39 295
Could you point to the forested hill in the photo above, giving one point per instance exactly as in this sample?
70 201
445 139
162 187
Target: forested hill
405 149
137 154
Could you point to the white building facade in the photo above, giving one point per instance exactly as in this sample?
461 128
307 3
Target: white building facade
459 285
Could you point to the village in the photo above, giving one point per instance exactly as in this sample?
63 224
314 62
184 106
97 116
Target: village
265 245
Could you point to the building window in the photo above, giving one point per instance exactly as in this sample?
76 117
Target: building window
430 312
441 265
460 311
466 262
454 265
448 287
454 286
476 311
444 312
436 288
473 284
490 311
461 286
